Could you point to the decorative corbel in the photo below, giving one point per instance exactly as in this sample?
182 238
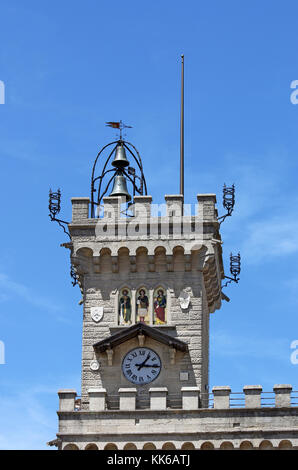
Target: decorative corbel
141 339
110 353
172 355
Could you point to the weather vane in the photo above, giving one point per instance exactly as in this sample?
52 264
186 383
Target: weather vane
118 125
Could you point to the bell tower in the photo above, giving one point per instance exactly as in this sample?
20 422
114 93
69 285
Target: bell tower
150 276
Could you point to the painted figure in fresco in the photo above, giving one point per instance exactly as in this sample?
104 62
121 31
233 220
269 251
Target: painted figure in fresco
125 308
142 305
160 303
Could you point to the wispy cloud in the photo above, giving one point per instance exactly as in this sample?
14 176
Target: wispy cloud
262 225
9 286
226 344
28 416
273 237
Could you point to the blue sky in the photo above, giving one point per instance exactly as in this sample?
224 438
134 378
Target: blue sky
70 66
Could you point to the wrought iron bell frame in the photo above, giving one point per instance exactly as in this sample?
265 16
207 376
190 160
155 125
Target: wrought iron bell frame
130 173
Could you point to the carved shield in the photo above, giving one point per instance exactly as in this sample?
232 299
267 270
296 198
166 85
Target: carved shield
96 313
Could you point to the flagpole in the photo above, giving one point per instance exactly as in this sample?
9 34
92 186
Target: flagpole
182 130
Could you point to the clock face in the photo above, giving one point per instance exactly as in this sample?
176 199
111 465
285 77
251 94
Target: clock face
141 366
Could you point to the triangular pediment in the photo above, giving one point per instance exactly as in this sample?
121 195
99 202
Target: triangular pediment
136 330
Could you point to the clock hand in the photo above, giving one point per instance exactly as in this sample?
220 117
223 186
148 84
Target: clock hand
144 362
151 365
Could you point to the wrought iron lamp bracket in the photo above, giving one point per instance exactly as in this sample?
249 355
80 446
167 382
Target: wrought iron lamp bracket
228 202
235 268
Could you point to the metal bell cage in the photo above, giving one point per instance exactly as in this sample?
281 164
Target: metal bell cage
121 174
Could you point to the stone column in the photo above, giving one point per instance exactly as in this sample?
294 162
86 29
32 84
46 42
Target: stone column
282 395
97 399
158 398
221 397
190 398
127 398
252 396
67 400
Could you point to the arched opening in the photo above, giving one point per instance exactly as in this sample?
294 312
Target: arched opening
85 252
160 259
105 260
207 446
91 447
226 446
246 445
178 255
110 446
265 445
70 447
123 260
130 446
168 446
285 444
142 259
187 446
149 446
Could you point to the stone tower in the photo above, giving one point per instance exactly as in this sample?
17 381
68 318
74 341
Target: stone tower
149 282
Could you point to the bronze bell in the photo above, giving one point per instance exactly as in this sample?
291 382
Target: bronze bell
120 160
120 187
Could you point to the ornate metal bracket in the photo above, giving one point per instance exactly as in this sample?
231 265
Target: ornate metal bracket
235 268
55 207
73 275
228 201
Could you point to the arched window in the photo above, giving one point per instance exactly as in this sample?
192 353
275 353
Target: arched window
142 305
110 446
149 446
168 446
285 444
160 306
265 445
70 447
207 446
246 445
226 446
125 307
187 446
91 447
130 446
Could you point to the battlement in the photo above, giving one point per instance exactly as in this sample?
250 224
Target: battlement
190 398
143 208
254 420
